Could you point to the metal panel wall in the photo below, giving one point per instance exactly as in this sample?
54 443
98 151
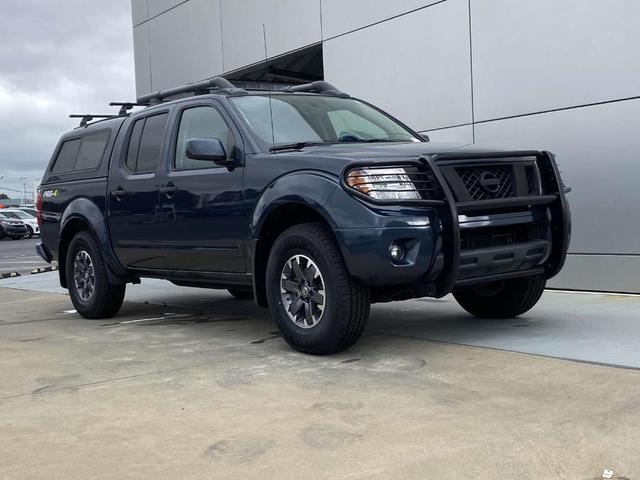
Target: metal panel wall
141 58
462 134
530 56
416 66
289 24
185 44
339 16
156 7
138 12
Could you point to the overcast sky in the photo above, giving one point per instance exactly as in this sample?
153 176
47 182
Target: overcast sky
56 58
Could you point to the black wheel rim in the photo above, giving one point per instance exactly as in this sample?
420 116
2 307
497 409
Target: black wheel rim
303 292
84 275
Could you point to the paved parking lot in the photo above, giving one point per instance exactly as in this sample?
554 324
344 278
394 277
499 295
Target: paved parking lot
195 384
20 255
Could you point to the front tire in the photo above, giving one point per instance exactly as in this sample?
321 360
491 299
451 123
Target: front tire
506 299
318 306
91 293
29 233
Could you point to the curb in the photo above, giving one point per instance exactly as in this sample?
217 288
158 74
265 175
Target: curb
43 270
9 275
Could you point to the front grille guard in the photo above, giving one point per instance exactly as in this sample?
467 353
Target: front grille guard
552 195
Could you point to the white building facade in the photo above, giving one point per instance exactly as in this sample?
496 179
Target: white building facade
559 75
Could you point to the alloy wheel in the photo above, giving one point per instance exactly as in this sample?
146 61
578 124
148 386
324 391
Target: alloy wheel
303 292
84 275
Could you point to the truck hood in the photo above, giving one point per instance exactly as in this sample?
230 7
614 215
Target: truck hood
374 151
333 158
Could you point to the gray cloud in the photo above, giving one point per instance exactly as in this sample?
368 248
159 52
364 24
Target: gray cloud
56 58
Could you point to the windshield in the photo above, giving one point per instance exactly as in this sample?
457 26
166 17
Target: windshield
318 119
9 215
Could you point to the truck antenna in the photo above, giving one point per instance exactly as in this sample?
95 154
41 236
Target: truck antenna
268 76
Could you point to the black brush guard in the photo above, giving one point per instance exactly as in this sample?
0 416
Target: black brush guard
455 264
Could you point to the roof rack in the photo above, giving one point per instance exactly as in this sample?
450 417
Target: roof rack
87 117
126 106
319 86
222 85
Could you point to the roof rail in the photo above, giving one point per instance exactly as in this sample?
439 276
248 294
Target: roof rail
87 117
319 86
198 88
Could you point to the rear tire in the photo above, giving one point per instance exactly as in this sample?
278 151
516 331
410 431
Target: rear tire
318 306
506 299
241 294
91 293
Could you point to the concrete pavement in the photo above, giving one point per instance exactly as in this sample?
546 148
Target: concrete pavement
598 328
212 392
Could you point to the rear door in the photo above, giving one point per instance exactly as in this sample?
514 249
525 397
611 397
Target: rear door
134 195
203 218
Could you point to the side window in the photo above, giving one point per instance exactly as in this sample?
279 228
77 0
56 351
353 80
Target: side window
67 156
201 122
145 143
91 150
134 144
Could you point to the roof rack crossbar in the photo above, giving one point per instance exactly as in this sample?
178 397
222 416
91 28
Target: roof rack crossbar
87 117
215 83
319 86
126 106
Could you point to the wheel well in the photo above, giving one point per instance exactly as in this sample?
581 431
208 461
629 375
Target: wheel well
70 230
278 221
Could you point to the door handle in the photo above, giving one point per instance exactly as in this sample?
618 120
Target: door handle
169 189
118 193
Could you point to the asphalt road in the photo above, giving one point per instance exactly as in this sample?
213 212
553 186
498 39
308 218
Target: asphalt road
20 256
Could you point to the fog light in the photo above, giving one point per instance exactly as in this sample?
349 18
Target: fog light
396 252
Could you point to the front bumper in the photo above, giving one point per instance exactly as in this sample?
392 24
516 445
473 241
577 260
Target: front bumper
440 257
14 230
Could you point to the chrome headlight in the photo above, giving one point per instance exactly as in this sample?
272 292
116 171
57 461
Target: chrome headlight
388 183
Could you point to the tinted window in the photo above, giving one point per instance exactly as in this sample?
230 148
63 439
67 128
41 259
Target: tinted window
91 150
151 143
134 143
201 122
66 156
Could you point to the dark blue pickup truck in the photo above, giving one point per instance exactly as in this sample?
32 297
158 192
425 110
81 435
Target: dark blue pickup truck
314 203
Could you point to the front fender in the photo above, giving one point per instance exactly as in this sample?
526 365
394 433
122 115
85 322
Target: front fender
88 212
312 189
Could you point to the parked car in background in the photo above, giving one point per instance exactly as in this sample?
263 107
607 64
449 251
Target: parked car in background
29 220
30 210
11 227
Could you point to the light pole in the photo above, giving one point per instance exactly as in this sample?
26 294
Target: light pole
24 189
36 184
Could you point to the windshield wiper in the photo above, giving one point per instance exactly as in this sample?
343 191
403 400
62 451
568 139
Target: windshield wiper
371 140
295 146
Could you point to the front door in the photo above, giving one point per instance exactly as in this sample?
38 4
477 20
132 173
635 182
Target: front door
202 215
133 193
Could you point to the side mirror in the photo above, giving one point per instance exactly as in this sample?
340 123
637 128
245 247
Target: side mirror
207 149
425 137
